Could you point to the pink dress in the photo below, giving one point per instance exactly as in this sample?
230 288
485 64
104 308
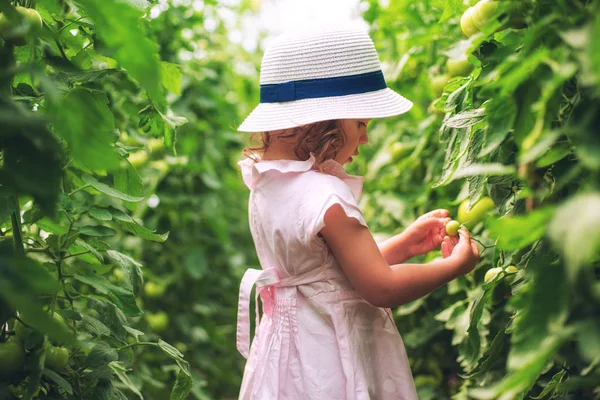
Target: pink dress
318 338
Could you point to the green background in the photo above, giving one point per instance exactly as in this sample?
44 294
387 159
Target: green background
123 216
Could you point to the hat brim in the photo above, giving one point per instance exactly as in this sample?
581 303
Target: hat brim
274 116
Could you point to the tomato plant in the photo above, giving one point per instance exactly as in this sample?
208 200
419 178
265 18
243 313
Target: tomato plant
510 148
94 182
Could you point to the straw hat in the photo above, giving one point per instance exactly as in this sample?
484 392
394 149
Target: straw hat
321 74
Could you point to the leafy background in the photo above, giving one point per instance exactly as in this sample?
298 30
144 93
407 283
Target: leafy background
123 229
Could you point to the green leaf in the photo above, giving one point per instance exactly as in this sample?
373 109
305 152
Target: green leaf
501 113
451 9
490 356
105 390
104 188
100 214
176 355
84 120
110 315
97 231
120 371
575 231
124 221
128 181
457 96
490 169
132 267
183 386
171 77
159 124
556 379
466 118
59 380
102 353
131 46
94 257
94 326
123 298
553 155
514 233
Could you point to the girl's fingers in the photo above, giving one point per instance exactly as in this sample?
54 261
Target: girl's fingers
446 250
440 213
454 240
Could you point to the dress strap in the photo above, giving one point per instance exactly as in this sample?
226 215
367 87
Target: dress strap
262 279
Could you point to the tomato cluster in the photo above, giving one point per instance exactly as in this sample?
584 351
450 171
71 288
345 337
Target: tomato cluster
15 351
477 17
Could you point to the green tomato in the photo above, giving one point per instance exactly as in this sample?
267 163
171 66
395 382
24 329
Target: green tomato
154 290
12 357
459 66
511 269
491 274
466 22
483 13
57 358
452 228
138 158
29 21
438 83
399 150
158 321
470 218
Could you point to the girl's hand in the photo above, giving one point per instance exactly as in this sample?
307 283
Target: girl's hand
426 233
462 251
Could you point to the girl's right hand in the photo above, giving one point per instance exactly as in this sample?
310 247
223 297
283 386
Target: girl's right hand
462 251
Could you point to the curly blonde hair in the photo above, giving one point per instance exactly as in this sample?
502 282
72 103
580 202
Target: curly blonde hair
323 139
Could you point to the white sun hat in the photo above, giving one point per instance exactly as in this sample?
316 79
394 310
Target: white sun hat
321 74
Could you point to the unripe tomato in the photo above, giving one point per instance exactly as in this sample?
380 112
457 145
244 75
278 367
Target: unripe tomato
483 13
477 212
29 21
158 321
57 358
452 228
182 347
399 150
466 22
459 66
155 144
491 274
12 357
119 273
154 290
138 158
438 83
511 269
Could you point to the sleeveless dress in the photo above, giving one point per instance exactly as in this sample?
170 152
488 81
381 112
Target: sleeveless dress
318 339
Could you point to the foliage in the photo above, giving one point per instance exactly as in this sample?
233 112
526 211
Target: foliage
110 226
520 127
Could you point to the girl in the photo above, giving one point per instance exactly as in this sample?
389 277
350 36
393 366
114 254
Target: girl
325 285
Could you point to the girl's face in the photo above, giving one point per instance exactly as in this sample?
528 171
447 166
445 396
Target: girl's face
355 132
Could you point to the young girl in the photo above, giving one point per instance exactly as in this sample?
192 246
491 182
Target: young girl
326 286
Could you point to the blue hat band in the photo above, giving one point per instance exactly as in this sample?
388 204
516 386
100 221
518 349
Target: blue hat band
323 87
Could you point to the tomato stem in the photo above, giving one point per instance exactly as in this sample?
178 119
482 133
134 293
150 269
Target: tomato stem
137 344
16 227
